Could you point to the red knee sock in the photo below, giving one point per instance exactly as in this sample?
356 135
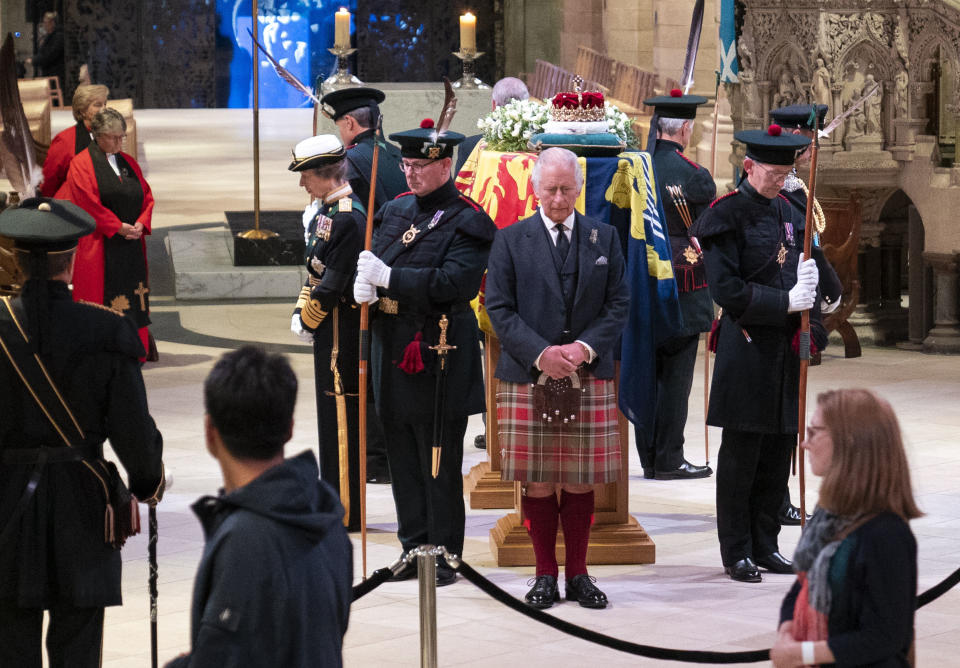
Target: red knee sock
541 522
576 514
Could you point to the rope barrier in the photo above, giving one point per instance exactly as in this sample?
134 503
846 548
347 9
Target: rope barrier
381 575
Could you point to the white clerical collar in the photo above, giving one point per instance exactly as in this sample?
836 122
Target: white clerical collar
551 224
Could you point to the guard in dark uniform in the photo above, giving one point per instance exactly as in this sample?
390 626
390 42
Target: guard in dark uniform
326 314
54 519
796 118
356 113
686 189
752 241
430 250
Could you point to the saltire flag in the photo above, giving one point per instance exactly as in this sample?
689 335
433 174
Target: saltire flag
729 68
654 305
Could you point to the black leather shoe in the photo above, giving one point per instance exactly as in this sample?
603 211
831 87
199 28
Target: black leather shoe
544 592
776 563
580 588
380 477
408 572
790 517
687 471
648 474
445 576
744 571
480 442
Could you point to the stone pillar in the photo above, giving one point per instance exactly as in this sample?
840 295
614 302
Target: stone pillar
945 335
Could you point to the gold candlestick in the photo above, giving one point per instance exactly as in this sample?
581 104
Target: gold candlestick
341 78
469 80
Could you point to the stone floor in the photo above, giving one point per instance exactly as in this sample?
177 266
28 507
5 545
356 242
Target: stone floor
198 163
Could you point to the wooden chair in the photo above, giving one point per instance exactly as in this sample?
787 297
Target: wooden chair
631 86
841 244
56 93
35 98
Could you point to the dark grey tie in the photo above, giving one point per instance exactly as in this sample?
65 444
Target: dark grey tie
563 244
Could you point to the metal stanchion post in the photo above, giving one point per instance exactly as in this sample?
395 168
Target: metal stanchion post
427 574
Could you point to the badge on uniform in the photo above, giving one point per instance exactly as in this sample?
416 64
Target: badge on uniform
788 227
345 205
691 255
435 220
324 225
593 236
410 234
317 266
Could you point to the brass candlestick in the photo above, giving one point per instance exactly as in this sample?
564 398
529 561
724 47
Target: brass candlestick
469 79
342 77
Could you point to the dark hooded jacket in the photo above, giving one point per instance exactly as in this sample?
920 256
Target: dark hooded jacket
274 583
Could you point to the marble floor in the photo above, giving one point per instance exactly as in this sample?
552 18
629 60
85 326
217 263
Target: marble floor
198 164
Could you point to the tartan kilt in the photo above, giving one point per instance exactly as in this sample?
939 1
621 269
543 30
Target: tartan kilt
587 452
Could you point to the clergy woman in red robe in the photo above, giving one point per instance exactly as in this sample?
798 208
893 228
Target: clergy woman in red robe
108 184
88 100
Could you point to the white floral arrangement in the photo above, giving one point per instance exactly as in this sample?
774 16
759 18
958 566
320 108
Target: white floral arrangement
621 125
510 126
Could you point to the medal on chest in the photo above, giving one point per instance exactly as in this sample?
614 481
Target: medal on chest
410 234
324 225
781 254
435 219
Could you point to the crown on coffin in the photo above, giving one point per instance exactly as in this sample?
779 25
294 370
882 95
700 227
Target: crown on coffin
578 105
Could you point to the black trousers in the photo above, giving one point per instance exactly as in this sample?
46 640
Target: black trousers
676 359
752 471
429 510
74 637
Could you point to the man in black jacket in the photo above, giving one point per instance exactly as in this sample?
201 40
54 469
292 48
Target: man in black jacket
54 555
429 252
273 586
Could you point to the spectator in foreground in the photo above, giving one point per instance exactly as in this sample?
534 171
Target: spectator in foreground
854 598
273 586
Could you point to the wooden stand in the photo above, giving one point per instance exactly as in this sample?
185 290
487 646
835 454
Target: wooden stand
483 485
615 538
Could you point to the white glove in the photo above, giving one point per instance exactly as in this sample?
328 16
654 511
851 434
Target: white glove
372 270
801 298
364 292
296 326
807 272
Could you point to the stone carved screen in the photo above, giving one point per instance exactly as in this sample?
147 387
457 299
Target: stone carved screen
161 54
412 40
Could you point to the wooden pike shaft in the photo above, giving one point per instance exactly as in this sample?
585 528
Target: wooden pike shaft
365 353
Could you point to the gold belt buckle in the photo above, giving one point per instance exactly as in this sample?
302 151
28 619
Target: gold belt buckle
390 306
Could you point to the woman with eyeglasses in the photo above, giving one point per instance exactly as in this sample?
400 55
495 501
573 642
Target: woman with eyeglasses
88 100
112 262
853 601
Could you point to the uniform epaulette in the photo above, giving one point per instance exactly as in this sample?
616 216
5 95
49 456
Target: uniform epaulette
680 153
345 204
476 207
102 307
409 192
722 197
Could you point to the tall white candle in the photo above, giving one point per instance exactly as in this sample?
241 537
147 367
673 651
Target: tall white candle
342 28
468 32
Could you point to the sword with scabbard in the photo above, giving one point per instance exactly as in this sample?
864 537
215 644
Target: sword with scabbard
440 395
343 449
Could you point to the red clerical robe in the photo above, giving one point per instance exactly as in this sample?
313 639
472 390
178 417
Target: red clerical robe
55 167
85 193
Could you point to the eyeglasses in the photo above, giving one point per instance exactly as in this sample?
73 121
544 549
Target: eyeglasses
415 167
779 176
114 137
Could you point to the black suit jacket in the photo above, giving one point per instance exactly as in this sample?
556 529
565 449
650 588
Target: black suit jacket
525 301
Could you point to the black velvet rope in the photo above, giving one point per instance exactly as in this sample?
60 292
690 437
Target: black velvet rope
938 590
691 656
378 577
381 575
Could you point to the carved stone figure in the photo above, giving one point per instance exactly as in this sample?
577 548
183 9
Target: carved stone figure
902 92
857 122
872 106
786 90
821 83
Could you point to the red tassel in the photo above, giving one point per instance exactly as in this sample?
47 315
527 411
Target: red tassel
795 344
412 360
714 335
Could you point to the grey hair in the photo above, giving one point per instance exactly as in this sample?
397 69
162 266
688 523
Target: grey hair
560 157
672 126
509 89
107 120
362 116
336 171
